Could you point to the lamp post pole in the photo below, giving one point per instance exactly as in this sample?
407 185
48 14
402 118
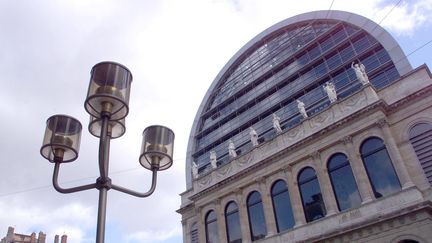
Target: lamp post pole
107 104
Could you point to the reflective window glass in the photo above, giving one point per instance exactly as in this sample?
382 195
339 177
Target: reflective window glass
282 206
232 219
257 221
343 182
313 203
379 167
211 228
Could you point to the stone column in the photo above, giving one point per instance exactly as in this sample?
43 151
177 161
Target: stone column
220 213
395 156
268 209
201 225
244 219
325 185
295 197
359 171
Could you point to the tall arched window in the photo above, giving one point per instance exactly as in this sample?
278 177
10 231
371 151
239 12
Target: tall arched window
257 221
343 182
379 167
421 140
211 228
310 191
233 223
282 206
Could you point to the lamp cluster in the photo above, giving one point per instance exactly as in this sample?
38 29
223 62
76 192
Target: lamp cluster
107 103
107 99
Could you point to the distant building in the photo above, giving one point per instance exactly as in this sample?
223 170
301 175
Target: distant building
13 237
332 131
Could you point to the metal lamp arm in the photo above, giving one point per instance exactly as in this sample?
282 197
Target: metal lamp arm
67 190
139 194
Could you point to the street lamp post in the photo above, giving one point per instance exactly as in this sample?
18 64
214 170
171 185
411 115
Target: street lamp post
107 103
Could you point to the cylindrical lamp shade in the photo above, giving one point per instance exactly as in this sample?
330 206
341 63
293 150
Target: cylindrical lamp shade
62 139
109 90
157 148
116 129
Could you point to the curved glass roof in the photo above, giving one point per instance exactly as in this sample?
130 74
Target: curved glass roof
289 63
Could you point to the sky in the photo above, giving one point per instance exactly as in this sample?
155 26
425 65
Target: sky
174 50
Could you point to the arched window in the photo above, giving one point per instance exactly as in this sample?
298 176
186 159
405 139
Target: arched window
310 191
379 167
233 223
282 206
421 140
343 183
211 228
194 233
257 221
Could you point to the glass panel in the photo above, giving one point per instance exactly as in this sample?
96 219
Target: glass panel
233 223
310 191
211 228
257 221
379 168
282 206
343 182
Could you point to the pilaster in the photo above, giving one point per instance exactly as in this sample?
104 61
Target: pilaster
359 171
244 219
268 208
294 194
325 184
395 156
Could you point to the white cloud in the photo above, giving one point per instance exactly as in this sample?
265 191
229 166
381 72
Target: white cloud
72 219
154 236
406 17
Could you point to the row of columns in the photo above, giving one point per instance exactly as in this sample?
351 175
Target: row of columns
360 176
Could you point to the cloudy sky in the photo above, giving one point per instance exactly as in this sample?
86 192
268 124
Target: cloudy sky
174 50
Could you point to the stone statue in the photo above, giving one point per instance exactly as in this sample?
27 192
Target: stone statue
253 136
301 108
360 72
231 149
331 91
194 169
213 159
276 123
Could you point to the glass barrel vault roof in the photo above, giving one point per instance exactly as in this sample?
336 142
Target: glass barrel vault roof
289 63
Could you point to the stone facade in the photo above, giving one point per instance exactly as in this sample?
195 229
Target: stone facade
342 127
388 114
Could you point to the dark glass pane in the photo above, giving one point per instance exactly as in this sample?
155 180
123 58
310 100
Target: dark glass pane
233 223
310 191
254 197
282 206
337 161
211 216
343 182
371 145
211 228
313 203
257 221
232 207
306 175
278 187
380 168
